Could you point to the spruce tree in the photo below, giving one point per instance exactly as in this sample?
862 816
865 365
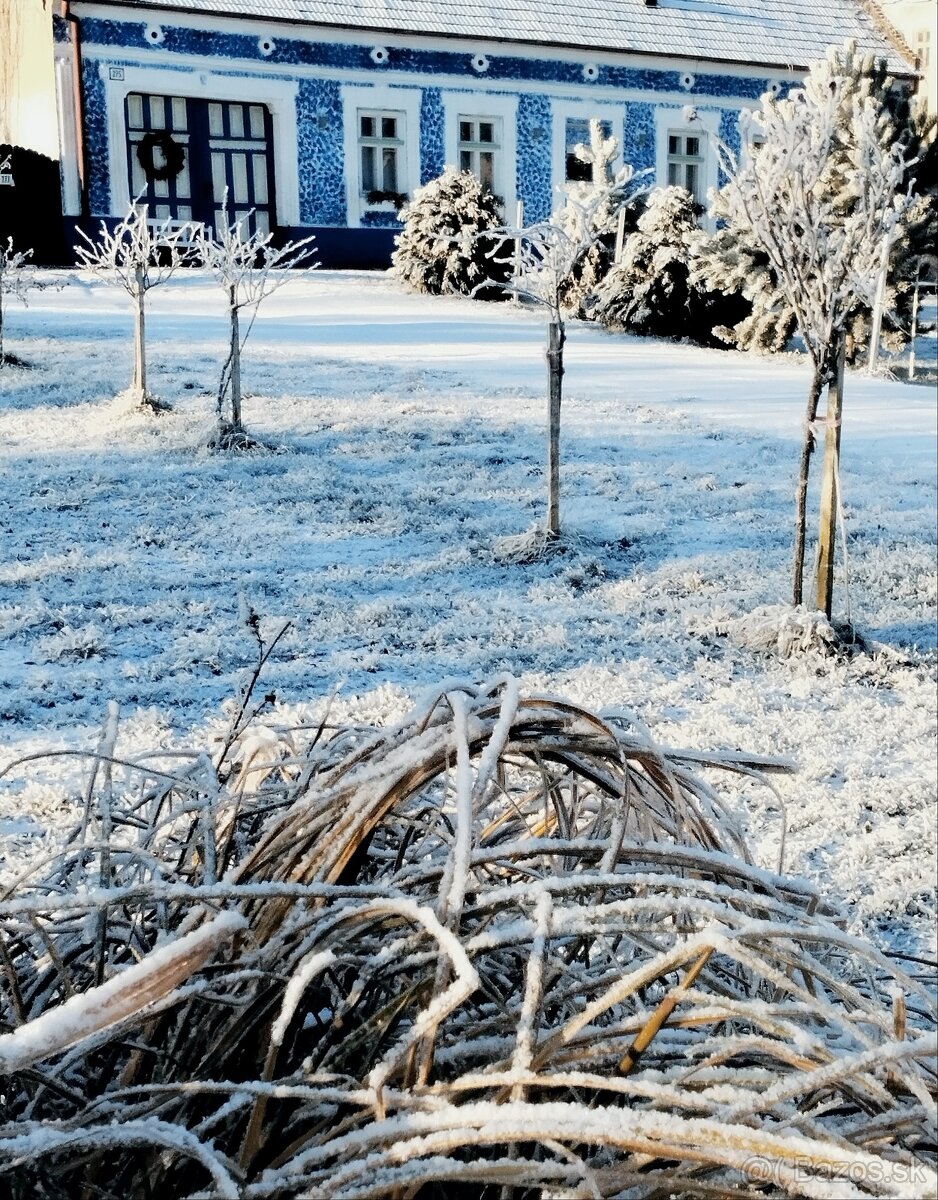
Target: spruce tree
443 247
649 291
591 214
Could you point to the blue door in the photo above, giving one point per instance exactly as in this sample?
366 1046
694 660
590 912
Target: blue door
187 158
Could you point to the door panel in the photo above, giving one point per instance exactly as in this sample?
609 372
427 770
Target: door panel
227 159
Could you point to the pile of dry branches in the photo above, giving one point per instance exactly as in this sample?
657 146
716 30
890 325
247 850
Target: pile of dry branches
506 948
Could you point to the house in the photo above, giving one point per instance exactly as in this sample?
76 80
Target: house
917 22
322 115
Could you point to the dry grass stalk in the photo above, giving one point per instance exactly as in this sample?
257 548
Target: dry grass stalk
506 944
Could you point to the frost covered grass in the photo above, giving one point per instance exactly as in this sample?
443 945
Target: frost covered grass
408 445
505 943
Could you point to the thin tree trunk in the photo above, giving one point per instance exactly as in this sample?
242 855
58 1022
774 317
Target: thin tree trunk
140 352
235 362
829 484
555 386
801 493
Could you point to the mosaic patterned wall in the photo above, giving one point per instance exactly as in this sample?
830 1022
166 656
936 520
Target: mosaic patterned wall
320 125
321 153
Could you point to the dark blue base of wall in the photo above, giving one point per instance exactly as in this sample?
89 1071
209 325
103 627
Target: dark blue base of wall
361 249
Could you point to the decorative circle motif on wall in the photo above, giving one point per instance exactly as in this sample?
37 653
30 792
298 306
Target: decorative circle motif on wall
154 34
480 63
590 72
775 86
172 152
266 45
687 82
379 55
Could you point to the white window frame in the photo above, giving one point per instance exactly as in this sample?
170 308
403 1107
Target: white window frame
278 95
481 107
405 104
705 125
475 147
379 141
581 110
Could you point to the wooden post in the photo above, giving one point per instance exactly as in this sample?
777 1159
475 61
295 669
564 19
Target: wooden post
140 348
555 340
516 264
878 304
620 236
829 486
235 360
914 331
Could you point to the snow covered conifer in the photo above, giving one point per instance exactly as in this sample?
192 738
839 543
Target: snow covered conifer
591 216
649 290
16 278
442 247
137 255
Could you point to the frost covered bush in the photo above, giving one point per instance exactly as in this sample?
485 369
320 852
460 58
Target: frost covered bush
650 290
443 247
506 943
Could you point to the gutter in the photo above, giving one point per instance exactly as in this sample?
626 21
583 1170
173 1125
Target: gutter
78 96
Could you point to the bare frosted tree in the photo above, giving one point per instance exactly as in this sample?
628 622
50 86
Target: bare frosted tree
546 255
17 276
819 193
249 269
138 255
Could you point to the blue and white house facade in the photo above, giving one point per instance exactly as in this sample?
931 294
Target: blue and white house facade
322 117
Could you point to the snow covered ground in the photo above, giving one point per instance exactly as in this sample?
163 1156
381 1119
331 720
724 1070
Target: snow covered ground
408 438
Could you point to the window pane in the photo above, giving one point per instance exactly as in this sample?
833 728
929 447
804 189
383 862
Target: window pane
465 160
578 130
486 131
674 144
389 127
257 121
368 127
465 131
693 147
135 111
215 126
389 172
673 179
487 169
179 113
236 120
692 177
368 169
577 171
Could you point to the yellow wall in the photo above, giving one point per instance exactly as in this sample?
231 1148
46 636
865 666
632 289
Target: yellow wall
917 21
27 81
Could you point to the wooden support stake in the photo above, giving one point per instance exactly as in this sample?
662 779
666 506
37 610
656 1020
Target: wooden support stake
829 486
620 236
555 339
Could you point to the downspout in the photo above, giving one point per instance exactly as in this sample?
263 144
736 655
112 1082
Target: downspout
78 95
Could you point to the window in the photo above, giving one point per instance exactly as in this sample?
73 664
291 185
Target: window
923 48
686 163
477 147
381 145
577 133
